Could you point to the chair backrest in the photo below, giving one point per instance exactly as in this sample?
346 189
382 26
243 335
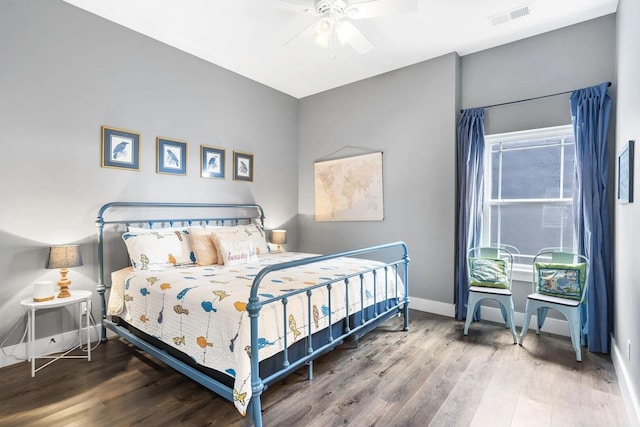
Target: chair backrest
489 266
561 274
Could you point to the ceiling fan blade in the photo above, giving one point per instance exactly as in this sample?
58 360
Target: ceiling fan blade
348 33
373 8
306 32
299 6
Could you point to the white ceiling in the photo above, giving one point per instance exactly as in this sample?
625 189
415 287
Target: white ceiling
247 36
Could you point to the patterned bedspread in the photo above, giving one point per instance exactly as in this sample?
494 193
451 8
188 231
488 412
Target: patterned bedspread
202 310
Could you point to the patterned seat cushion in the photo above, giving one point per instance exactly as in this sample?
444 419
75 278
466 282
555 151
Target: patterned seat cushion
490 273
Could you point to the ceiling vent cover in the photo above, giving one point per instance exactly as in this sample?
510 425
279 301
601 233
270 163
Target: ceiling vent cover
510 15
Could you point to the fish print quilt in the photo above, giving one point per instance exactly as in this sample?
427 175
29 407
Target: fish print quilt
202 310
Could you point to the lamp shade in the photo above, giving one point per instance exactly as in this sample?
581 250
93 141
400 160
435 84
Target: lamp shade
64 257
278 237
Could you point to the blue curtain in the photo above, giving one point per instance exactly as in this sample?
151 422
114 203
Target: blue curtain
470 171
590 112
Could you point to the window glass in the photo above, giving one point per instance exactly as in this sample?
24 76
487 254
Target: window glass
528 204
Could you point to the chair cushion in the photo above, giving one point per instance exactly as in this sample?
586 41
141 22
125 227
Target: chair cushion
490 273
561 280
554 300
492 291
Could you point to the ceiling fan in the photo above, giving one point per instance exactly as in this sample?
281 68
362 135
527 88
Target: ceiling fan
334 26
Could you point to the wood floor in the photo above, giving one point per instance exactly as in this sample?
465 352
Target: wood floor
431 375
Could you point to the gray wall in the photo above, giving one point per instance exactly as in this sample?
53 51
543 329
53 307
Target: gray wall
563 60
65 73
409 115
627 236
569 58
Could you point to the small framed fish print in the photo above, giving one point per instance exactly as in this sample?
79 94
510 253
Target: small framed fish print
242 166
171 156
120 148
212 162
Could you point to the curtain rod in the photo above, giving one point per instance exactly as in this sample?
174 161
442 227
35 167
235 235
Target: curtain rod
532 99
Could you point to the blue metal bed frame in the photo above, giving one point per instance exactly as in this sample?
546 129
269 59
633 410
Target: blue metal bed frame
389 305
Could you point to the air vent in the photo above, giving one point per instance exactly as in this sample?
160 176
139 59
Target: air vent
519 13
510 15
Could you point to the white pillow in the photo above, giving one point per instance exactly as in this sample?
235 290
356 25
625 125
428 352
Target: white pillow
257 235
236 252
242 232
158 250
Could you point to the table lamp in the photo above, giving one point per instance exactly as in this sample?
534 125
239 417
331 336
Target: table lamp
279 237
64 257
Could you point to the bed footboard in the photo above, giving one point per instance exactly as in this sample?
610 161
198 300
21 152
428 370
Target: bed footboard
384 307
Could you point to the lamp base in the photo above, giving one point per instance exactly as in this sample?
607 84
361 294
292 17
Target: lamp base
64 283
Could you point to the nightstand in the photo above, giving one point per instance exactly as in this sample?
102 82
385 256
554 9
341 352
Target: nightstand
76 298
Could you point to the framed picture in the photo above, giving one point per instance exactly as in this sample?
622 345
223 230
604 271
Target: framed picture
212 162
172 156
242 166
625 174
120 148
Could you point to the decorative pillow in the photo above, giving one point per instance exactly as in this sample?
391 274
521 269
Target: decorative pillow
489 273
236 252
157 250
561 280
203 246
242 232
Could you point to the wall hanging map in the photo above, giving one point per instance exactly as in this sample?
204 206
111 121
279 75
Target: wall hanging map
349 189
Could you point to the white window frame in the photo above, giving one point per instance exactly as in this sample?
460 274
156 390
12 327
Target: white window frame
520 271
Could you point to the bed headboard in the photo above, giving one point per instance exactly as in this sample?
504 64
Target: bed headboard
114 218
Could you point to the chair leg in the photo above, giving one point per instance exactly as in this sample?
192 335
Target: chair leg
574 330
505 315
542 316
525 324
472 302
512 322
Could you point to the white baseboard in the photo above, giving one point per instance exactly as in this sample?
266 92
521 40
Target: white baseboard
626 384
45 346
492 314
430 306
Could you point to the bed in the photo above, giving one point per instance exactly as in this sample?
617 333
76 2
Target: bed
197 286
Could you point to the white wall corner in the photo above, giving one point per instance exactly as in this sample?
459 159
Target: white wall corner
625 382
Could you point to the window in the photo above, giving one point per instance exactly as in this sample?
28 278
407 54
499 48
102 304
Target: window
528 202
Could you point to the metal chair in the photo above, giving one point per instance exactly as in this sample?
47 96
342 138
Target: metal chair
559 282
489 273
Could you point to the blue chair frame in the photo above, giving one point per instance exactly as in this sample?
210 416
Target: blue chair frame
570 308
479 293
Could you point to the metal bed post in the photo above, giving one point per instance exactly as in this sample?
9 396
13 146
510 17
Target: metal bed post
101 287
257 386
405 281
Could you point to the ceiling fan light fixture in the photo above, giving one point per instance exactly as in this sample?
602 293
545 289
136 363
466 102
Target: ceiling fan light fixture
325 26
322 40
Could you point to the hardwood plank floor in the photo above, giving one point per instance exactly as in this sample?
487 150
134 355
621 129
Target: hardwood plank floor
431 375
